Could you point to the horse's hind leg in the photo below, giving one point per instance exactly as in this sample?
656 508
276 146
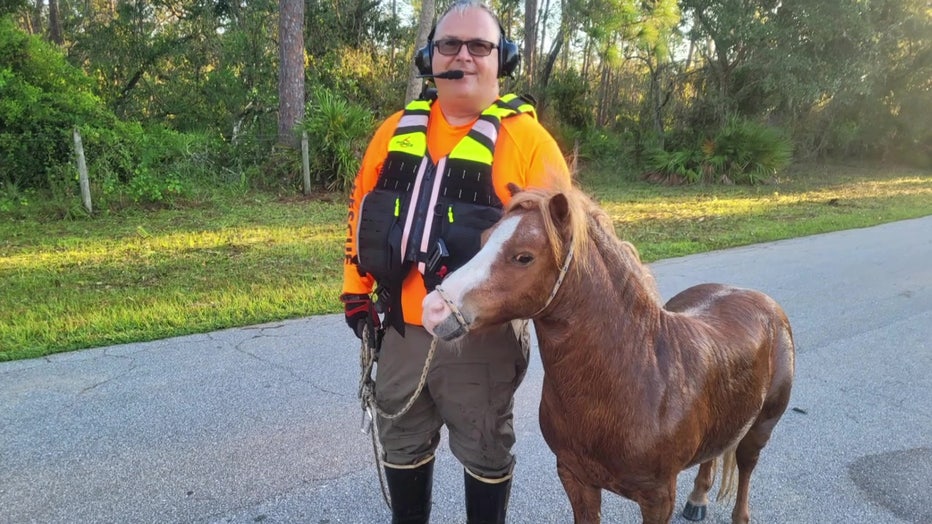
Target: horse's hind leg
695 508
585 500
749 448
746 456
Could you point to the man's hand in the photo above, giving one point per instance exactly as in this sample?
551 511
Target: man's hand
358 310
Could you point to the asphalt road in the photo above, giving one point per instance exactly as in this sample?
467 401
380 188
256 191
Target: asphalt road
261 424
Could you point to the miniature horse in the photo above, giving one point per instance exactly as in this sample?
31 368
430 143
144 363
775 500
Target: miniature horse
634 391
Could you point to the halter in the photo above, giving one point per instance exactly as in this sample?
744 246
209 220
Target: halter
560 277
461 320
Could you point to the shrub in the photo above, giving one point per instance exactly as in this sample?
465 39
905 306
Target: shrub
747 152
567 93
742 152
147 164
682 165
43 99
338 132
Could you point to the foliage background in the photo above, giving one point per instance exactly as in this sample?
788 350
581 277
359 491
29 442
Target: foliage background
198 220
172 95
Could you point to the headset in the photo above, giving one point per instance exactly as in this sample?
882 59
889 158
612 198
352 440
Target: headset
508 55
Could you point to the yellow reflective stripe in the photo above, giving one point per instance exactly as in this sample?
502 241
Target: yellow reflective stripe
509 97
499 112
450 214
423 105
397 206
523 108
411 143
414 143
471 149
528 108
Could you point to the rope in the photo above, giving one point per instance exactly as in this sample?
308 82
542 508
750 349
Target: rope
366 391
366 395
460 319
367 354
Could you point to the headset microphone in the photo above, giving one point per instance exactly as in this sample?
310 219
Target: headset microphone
454 74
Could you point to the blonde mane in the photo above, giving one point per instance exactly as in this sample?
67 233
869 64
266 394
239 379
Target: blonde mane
580 207
589 226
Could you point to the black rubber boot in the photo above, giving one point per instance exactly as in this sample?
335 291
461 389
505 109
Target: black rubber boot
410 491
486 501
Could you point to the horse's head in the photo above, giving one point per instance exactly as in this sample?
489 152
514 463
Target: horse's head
514 274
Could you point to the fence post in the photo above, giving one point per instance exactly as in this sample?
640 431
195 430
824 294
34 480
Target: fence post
305 163
82 172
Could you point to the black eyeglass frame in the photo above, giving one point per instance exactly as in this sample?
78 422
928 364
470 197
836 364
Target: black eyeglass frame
485 47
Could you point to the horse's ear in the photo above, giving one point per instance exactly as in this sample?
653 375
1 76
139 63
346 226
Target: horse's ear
514 189
559 208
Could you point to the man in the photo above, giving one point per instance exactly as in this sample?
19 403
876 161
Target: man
433 178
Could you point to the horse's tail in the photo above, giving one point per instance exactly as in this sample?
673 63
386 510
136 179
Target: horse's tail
729 486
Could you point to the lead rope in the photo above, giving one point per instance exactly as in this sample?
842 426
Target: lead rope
367 383
460 319
366 394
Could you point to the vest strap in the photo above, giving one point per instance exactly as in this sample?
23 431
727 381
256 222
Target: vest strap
430 215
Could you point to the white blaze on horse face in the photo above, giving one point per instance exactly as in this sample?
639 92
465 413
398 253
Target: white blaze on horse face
479 268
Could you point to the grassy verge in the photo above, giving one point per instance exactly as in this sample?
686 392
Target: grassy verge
67 285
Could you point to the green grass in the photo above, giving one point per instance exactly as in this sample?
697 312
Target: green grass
232 261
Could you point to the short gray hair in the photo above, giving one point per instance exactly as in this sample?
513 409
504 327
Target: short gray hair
460 6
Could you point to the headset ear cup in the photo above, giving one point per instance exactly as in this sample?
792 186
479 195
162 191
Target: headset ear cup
509 57
422 60
424 56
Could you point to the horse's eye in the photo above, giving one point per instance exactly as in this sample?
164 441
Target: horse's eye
523 259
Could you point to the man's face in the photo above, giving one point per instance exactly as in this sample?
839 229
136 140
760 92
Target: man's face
481 72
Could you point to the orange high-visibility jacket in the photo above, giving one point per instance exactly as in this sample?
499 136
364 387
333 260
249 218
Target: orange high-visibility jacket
525 154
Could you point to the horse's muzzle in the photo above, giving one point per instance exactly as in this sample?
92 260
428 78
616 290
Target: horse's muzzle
449 330
439 320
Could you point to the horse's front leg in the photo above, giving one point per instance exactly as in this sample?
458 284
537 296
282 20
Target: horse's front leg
585 500
657 504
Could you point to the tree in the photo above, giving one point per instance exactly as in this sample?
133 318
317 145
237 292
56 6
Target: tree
11 6
732 30
530 40
291 70
55 29
425 23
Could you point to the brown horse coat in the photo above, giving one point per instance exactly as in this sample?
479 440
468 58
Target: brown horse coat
634 391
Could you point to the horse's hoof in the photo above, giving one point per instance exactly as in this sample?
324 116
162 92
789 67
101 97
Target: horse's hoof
694 513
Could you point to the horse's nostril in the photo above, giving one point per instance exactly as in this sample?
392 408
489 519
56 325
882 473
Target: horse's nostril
434 310
434 305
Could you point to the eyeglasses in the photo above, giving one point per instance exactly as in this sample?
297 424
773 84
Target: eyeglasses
452 46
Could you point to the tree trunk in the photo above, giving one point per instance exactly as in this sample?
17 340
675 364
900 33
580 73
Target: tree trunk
530 40
425 23
35 19
55 31
655 99
551 59
394 47
567 28
605 86
290 70
542 21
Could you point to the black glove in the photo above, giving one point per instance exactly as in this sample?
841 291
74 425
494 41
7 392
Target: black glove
359 309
